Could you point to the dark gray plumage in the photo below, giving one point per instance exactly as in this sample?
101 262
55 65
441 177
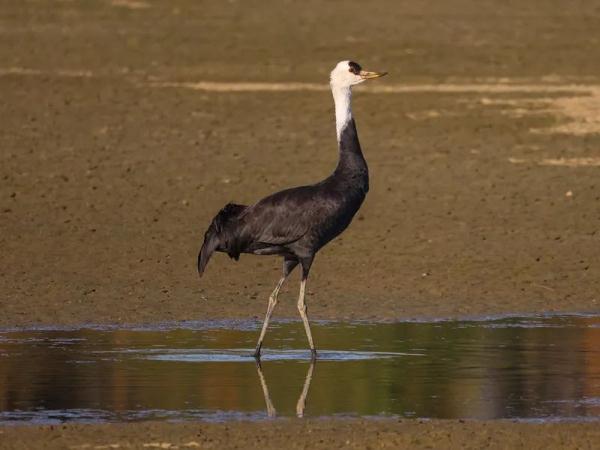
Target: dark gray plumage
295 223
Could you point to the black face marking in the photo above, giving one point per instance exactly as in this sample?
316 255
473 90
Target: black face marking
354 68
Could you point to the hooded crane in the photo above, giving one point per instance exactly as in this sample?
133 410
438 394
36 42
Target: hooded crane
295 223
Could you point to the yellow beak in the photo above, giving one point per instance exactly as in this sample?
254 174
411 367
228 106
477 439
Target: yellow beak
368 75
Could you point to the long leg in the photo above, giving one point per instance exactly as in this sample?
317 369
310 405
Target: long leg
288 265
302 308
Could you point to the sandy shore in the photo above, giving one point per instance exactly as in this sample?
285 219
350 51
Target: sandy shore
317 434
118 148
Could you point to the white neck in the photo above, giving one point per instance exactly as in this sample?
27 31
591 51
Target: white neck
342 97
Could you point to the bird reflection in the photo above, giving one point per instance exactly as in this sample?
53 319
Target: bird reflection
300 404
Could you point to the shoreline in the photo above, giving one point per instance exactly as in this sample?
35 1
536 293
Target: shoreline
315 433
255 324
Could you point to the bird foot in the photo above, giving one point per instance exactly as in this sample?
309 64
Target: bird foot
313 354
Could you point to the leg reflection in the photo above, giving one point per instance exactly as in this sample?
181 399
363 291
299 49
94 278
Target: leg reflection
300 405
270 408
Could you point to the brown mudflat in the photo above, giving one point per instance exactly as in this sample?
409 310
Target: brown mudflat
484 161
299 434
127 124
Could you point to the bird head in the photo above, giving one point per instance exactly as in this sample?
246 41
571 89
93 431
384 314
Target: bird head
349 73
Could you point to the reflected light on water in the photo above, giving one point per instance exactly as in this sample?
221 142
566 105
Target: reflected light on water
535 368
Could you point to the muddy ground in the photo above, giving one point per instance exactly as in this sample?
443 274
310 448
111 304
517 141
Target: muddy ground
312 434
484 169
483 145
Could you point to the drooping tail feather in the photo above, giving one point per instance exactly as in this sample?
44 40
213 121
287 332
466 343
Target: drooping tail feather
211 243
214 238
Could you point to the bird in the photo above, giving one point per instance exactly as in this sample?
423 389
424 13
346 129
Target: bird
296 223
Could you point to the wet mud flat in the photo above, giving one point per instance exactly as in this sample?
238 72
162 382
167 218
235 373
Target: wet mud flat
301 433
127 125
533 369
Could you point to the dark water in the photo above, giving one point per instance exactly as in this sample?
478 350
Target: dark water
541 368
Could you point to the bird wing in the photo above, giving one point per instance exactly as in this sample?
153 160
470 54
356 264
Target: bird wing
283 217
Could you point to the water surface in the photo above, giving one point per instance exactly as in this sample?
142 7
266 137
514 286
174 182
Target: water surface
530 368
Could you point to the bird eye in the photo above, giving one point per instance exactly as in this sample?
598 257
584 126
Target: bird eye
354 68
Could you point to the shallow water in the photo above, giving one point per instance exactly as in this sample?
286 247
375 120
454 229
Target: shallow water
533 368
